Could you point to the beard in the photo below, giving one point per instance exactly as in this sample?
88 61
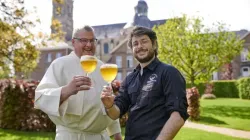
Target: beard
147 58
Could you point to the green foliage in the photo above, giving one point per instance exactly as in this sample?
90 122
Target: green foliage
17 107
16 38
56 26
222 88
195 50
244 88
200 86
225 89
58 33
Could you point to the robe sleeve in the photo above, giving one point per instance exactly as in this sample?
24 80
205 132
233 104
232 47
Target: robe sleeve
48 92
114 128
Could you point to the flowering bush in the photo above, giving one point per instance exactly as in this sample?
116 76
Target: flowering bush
17 107
193 103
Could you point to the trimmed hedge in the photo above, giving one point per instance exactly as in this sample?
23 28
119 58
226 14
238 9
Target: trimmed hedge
17 107
225 89
244 88
221 88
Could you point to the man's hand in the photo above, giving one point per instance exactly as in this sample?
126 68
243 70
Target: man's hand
107 97
118 136
78 83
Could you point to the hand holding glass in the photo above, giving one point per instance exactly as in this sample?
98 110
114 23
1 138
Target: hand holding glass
109 72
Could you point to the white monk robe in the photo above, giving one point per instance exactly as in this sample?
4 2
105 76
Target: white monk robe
81 116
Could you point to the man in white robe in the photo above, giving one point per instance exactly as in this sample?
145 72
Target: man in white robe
64 94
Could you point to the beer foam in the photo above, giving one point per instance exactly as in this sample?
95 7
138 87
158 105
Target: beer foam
109 66
87 57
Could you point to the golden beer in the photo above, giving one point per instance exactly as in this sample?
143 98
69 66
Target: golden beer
109 72
88 63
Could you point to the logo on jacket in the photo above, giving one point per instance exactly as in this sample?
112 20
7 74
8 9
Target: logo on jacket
150 83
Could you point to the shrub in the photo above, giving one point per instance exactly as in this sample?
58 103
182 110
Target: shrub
225 89
193 98
17 107
209 92
244 88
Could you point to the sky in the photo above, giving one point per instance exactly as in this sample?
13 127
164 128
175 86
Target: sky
235 13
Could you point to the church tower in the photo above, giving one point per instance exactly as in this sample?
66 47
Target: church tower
140 16
63 11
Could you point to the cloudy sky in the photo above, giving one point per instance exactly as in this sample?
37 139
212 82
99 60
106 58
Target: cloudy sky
97 12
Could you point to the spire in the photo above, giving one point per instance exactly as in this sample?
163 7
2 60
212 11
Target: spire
141 9
141 16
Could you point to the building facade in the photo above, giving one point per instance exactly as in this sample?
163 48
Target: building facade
112 43
47 55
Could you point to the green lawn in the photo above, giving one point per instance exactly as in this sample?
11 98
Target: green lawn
21 135
231 113
184 134
194 134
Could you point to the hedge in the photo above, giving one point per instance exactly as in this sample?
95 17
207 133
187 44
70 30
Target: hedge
221 88
244 88
17 107
225 88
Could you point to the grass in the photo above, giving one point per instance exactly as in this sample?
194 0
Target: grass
22 135
230 113
184 134
194 134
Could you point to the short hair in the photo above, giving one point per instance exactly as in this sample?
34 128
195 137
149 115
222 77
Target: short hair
140 31
83 28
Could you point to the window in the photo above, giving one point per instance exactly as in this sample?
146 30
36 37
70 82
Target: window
119 76
106 48
244 55
215 76
245 71
129 61
112 44
49 57
58 55
119 61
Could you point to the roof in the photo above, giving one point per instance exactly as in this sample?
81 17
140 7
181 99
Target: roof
241 33
114 30
54 45
109 30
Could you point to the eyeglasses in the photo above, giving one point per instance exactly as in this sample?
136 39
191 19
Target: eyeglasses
85 41
142 42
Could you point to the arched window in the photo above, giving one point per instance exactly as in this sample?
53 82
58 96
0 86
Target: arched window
106 48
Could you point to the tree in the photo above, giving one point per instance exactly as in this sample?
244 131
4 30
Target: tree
18 44
195 50
16 38
57 32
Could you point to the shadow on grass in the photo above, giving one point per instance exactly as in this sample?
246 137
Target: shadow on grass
227 111
210 120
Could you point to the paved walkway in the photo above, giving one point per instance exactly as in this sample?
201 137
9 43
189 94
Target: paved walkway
221 130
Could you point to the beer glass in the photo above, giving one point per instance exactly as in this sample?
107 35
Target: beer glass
88 64
109 72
